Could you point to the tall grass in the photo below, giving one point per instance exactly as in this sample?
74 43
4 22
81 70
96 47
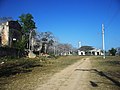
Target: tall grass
110 65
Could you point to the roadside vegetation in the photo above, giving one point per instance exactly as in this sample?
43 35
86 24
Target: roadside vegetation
110 65
107 69
25 74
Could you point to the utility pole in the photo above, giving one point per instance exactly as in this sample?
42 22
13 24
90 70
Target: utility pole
103 41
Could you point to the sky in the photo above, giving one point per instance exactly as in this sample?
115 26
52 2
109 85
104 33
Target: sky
71 21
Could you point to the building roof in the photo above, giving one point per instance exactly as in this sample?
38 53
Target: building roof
12 24
86 48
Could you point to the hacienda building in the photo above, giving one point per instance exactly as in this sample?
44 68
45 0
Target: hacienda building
9 33
93 51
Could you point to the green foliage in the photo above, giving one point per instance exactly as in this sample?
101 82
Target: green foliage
27 23
112 51
21 43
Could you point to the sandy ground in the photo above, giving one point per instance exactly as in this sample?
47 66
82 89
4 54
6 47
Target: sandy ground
79 76
71 78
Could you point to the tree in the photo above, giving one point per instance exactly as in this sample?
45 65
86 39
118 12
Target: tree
64 48
21 44
47 39
112 51
28 25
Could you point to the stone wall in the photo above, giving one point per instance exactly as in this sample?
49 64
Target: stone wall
10 52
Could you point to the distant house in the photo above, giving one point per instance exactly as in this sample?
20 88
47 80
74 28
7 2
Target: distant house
118 51
9 33
90 51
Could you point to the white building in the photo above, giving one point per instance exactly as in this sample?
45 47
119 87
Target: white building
91 52
81 52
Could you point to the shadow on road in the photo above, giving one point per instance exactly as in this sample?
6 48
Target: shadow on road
117 83
93 84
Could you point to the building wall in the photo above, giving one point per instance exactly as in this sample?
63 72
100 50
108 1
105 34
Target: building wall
81 52
118 51
90 52
0 34
8 31
4 34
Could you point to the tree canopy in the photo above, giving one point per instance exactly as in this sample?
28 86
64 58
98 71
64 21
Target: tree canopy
27 22
47 39
112 51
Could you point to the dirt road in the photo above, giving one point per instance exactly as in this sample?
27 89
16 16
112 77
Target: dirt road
73 77
80 76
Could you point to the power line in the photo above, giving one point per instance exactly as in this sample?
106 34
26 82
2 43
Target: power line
113 18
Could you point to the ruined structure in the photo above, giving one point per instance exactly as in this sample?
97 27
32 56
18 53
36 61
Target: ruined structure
10 32
88 50
91 52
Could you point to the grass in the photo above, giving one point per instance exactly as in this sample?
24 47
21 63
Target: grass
26 74
109 65
108 70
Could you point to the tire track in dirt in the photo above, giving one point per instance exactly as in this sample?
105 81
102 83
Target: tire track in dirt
71 78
